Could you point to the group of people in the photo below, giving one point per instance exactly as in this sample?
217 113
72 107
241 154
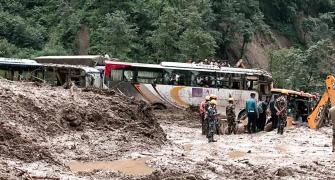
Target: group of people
209 117
212 62
256 112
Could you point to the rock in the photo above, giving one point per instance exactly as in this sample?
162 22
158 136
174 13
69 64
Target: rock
282 172
84 137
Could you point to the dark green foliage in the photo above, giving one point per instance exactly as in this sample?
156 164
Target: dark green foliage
151 31
303 69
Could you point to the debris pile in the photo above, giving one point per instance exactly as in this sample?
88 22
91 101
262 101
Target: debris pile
32 114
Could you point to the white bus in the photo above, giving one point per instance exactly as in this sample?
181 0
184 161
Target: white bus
183 85
53 74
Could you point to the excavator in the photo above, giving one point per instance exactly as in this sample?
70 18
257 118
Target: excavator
320 113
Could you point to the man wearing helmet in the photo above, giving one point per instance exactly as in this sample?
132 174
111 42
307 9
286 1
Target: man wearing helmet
230 113
213 97
211 117
202 110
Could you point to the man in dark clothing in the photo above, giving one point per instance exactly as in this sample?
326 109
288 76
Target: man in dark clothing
274 116
212 120
251 107
262 106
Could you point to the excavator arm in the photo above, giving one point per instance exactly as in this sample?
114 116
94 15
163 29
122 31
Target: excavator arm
318 115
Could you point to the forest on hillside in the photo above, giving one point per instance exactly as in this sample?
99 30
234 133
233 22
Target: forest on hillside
152 31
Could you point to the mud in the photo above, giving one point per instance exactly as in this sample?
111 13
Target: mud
43 124
49 133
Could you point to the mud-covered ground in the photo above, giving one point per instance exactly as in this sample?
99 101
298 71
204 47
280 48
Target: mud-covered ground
54 133
300 153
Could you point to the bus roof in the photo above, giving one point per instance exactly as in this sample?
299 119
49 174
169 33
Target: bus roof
14 61
85 68
21 63
291 92
194 67
87 60
70 57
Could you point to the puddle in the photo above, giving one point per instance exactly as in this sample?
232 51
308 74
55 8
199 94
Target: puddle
188 147
281 148
236 154
129 167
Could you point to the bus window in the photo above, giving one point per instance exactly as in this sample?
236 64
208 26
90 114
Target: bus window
5 74
223 80
149 77
252 83
50 77
204 79
129 75
116 75
237 81
178 77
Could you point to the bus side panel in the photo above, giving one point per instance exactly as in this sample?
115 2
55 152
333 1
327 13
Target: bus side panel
184 97
149 93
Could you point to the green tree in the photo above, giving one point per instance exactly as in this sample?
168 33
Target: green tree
303 69
116 37
165 38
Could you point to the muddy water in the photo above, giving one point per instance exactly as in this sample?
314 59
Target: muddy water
281 148
188 147
129 167
236 154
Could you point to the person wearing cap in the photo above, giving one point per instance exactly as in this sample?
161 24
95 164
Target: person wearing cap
281 108
230 113
202 110
211 117
251 108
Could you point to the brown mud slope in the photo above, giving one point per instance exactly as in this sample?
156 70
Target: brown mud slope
33 115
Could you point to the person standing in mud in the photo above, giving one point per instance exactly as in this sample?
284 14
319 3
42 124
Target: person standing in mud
262 106
251 107
230 113
202 110
281 108
211 117
332 118
274 117
214 97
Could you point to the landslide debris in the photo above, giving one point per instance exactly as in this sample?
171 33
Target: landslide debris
31 114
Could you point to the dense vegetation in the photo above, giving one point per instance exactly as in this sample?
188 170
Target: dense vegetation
156 30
